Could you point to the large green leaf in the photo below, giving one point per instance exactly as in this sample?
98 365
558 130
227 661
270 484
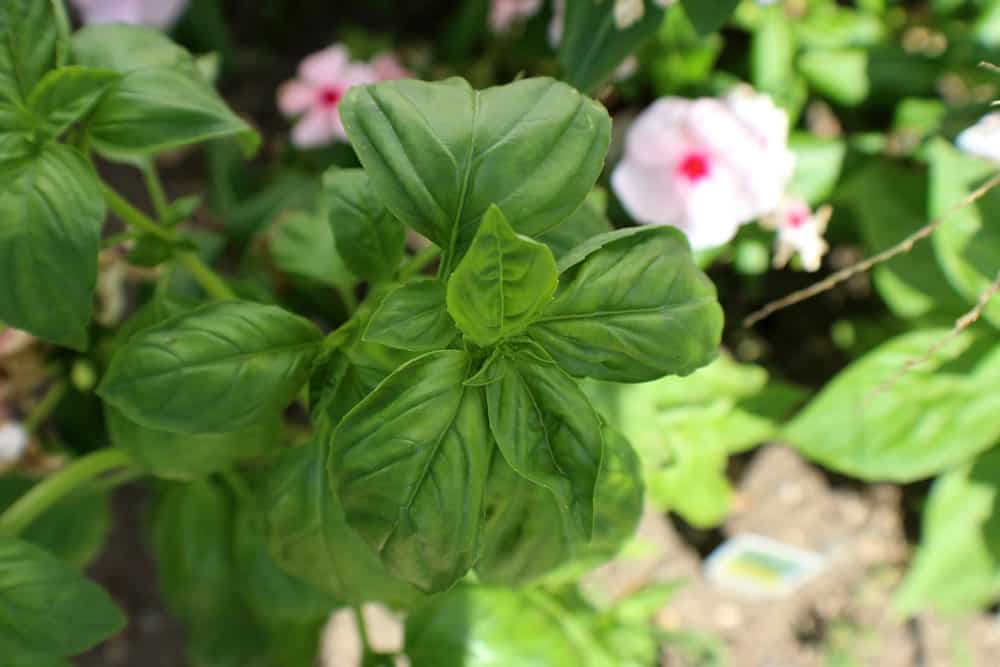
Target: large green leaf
709 15
67 94
549 433
967 243
47 609
410 464
32 41
588 221
631 307
217 369
439 154
161 102
52 212
593 46
369 238
413 317
619 495
957 565
934 416
310 538
502 283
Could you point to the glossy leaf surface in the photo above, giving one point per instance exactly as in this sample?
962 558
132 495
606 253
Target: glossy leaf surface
67 94
32 41
413 317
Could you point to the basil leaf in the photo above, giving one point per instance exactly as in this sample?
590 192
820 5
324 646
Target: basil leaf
190 374
32 41
67 94
593 46
502 283
370 240
303 247
309 536
186 456
413 317
439 154
934 416
588 221
619 495
47 608
410 463
161 102
632 306
52 211
549 433
709 15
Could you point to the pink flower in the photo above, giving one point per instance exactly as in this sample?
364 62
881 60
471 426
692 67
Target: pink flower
504 13
160 14
315 95
799 231
706 166
386 67
983 138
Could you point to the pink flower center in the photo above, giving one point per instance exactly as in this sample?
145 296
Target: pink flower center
797 217
694 167
329 97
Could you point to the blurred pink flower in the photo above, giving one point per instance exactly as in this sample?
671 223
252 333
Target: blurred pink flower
504 13
323 79
13 341
706 166
387 67
800 231
983 138
159 14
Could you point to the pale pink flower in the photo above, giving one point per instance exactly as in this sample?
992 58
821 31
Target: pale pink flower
706 166
13 341
800 231
159 14
504 13
323 79
983 138
387 67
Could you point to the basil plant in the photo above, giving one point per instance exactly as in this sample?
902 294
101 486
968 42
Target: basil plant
448 439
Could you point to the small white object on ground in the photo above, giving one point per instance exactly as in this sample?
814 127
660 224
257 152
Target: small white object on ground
13 442
760 566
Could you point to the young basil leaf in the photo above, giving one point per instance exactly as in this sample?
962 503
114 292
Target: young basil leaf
73 529
47 609
161 102
632 306
413 317
310 538
439 154
53 210
550 434
709 15
369 238
217 369
67 94
502 283
32 41
593 46
302 246
525 535
410 463
186 456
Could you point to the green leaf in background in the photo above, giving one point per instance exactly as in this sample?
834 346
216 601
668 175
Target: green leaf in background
67 94
957 565
413 317
549 433
631 306
841 75
588 221
52 211
593 45
33 37
934 416
217 369
74 529
309 536
47 609
161 102
192 456
772 54
369 238
410 463
502 283
302 246
709 15
619 495
818 165
440 154
968 242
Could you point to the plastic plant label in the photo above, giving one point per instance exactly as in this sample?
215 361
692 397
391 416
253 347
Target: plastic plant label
760 566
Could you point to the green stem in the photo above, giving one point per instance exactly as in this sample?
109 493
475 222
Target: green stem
156 192
133 217
350 301
209 280
51 490
46 406
359 617
419 262
238 485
